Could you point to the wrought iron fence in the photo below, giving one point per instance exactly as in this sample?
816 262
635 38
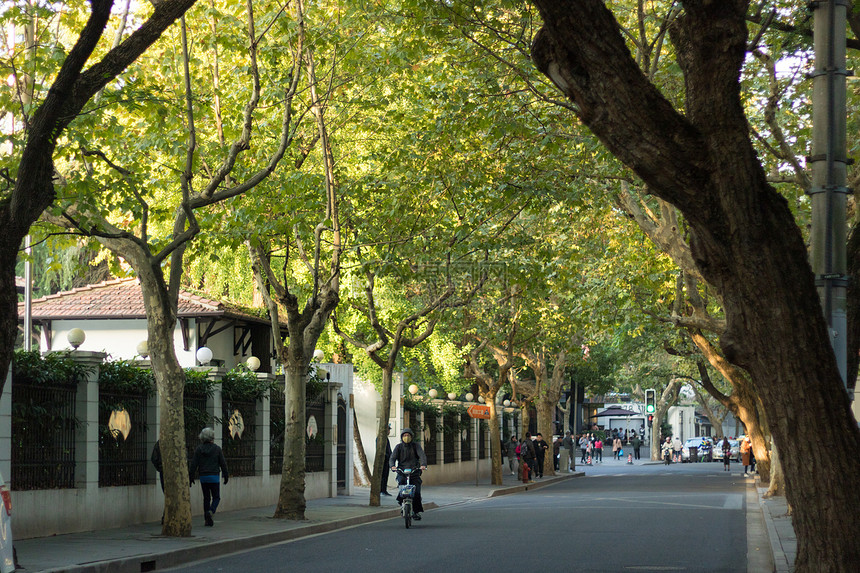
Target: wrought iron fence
122 458
449 422
43 434
466 439
277 426
239 436
430 427
315 445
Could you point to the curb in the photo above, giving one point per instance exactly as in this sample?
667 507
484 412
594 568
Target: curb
163 560
173 558
536 485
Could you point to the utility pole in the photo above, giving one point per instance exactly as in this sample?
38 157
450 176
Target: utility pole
829 162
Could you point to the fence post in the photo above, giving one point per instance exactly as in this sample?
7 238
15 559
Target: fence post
262 464
87 413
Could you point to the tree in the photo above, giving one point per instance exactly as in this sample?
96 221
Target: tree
161 212
304 325
744 237
383 343
30 184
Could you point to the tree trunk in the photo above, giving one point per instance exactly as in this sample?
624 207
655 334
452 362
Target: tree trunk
291 497
359 447
525 419
495 438
745 240
170 380
777 478
743 401
545 418
8 308
380 464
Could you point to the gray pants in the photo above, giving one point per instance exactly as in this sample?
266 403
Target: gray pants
512 463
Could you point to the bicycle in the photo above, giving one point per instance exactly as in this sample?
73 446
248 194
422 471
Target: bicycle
407 494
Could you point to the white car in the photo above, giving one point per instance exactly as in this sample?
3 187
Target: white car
7 553
691 443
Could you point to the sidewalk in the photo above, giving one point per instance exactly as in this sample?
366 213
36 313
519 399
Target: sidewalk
140 548
780 531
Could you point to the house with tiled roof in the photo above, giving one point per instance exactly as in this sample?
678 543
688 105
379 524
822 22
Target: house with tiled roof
112 315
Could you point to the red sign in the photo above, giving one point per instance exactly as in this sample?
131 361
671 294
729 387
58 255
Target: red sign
478 411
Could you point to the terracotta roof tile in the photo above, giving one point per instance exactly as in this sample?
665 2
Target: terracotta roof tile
122 298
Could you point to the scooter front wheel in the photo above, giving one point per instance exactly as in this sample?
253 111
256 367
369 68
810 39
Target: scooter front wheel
407 513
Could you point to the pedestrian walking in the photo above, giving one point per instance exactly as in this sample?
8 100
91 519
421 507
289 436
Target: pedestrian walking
747 457
727 454
511 451
677 446
636 442
598 450
209 461
568 444
556 451
527 458
584 442
616 448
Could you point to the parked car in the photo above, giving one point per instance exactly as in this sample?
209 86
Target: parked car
691 446
734 453
7 552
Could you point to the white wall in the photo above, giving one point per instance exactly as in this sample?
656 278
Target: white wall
42 513
119 338
683 421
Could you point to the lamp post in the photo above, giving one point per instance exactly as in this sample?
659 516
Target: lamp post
143 348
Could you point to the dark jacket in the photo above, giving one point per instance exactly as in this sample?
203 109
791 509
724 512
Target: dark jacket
407 456
209 459
156 458
527 450
540 448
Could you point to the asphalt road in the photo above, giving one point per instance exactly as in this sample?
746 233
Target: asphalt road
683 517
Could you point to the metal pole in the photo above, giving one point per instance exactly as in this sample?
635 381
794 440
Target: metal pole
478 453
829 165
575 425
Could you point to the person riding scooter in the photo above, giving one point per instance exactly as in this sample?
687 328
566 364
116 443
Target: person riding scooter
409 455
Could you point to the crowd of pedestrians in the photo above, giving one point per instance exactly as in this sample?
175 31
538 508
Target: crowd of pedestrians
526 456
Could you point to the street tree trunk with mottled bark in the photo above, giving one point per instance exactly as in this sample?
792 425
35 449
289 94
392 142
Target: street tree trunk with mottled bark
744 238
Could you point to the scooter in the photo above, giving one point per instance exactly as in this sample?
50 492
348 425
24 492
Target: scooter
407 494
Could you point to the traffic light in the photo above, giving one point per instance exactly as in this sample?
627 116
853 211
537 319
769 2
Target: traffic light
650 420
650 401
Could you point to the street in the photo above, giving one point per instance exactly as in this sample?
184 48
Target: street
683 517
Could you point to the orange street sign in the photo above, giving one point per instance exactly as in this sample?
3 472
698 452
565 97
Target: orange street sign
478 411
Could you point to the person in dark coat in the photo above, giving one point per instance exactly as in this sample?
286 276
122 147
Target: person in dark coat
409 455
383 489
155 458
209 461
540 453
